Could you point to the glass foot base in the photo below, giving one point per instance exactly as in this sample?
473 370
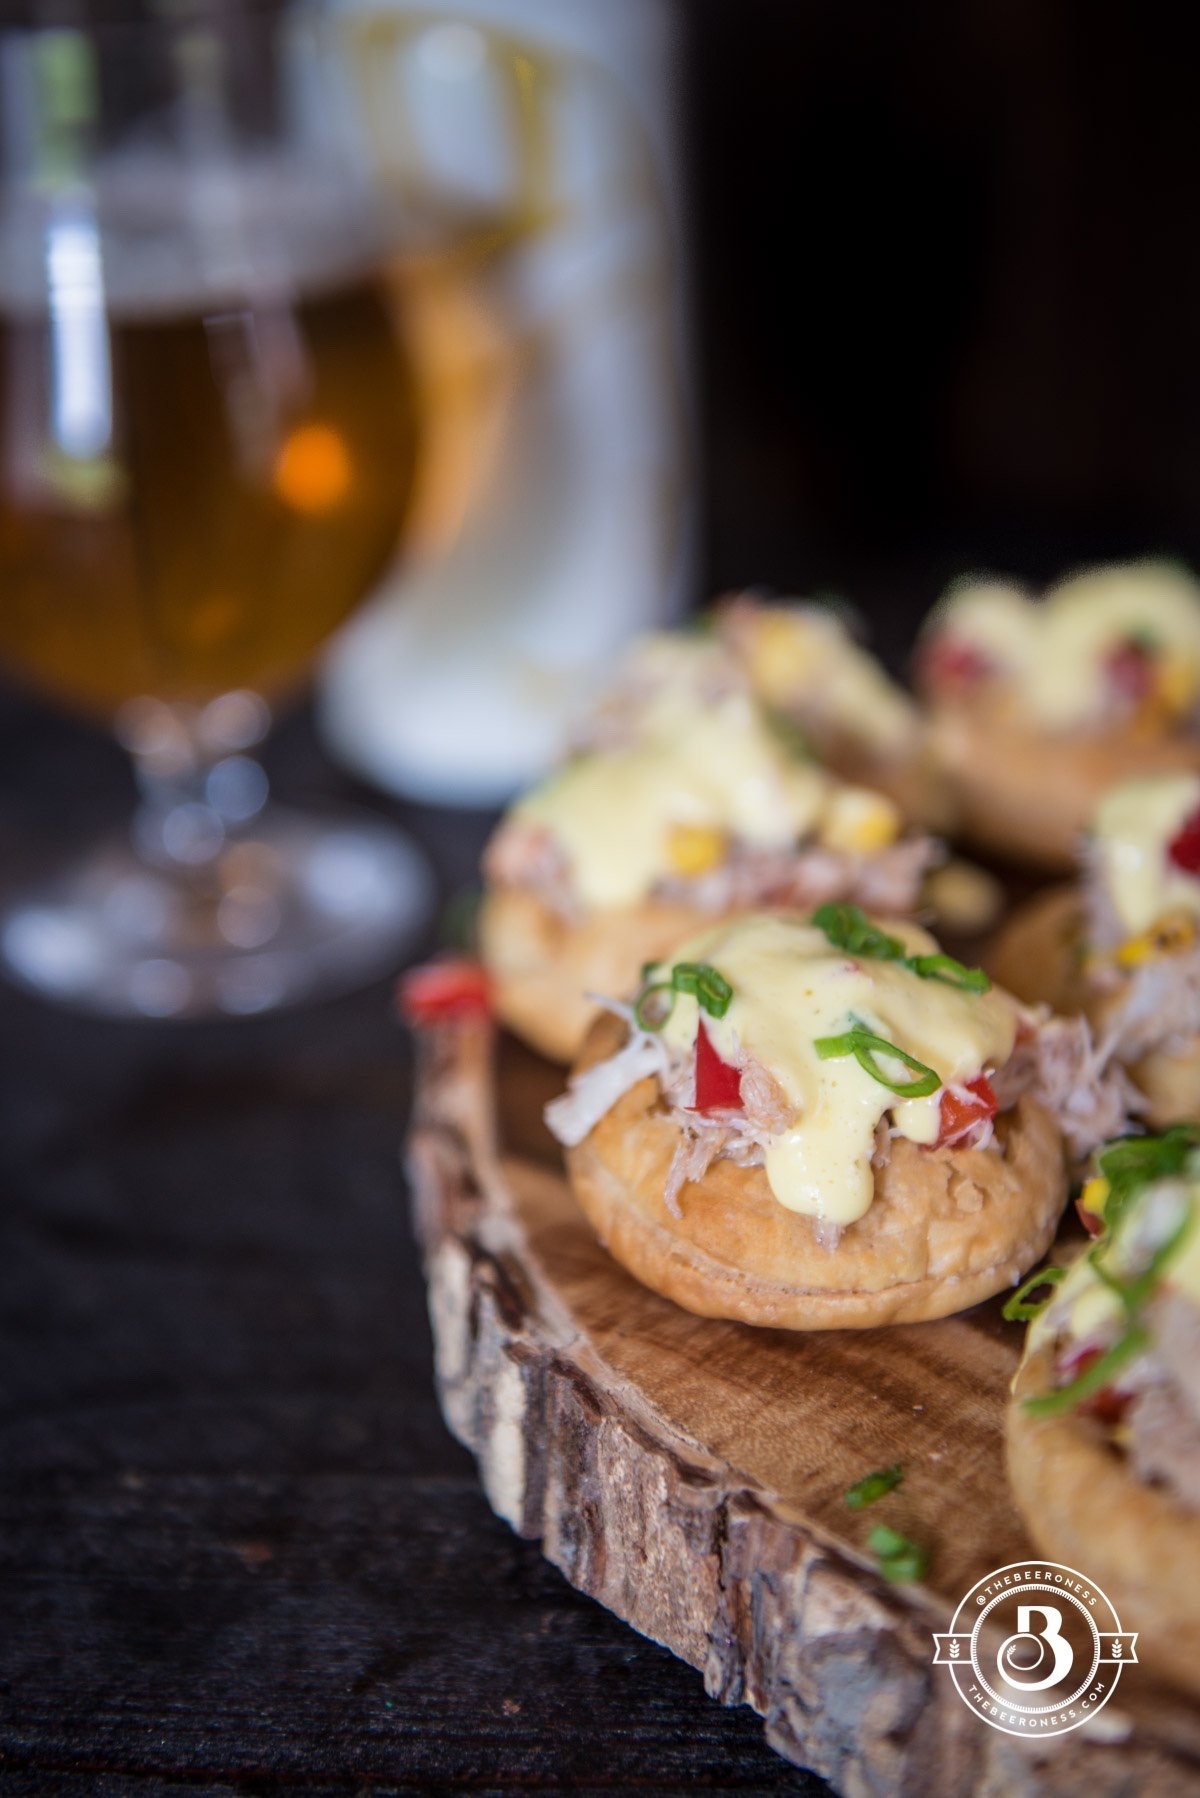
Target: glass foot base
299 908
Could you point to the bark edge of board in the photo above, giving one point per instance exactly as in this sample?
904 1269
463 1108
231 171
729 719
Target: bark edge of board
838 1664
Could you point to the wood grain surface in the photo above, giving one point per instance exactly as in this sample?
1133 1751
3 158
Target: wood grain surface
692 1474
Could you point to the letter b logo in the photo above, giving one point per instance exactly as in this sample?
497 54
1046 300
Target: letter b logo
1024 1652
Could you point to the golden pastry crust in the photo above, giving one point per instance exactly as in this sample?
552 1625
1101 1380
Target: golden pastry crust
542 965
947 1228
1083 1507
1030 797
915 781
1037 956
1037 952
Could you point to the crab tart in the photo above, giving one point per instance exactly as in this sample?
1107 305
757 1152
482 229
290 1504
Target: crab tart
805 663
686 807
1036 707
1104 1424
1122 946
814 1122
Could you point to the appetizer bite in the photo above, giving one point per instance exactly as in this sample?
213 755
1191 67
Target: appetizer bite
804 663
1104 1423
1037 706
814 1122
1121 946
685 806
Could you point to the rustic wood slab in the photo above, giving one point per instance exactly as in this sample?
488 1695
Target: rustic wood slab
690 1474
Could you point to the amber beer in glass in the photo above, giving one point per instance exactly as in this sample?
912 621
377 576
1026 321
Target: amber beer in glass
208 438
250 491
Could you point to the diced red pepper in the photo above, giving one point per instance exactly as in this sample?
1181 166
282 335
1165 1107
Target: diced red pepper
718 1084
454 988
1184 847
950 663
1092 1224
1106 1406
1130 670
963 1108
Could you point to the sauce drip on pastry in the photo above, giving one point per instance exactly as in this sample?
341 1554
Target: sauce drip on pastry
1143 850
794 989
1121 642
670 802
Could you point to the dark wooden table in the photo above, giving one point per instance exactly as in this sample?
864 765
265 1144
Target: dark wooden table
239 1552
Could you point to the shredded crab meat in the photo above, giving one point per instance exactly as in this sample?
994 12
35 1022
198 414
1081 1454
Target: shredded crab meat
525 855
1055 1060
618 719
1058 1062
1164 1442
765 1105
1160 1002
591 1095
888 881
694 1155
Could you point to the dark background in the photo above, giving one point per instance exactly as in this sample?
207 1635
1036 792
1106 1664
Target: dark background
947 283
948 290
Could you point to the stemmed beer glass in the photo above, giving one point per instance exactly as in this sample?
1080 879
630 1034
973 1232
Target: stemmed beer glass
207 446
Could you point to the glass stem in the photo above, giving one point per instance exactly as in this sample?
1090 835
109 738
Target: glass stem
198 787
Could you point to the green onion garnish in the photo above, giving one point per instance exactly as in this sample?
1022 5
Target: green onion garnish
1134 1293
1135 1161
873 1487
1094 1378
458 925
1017 1309
864 1045
900 1559
848 927
954 973
710 989
646 1018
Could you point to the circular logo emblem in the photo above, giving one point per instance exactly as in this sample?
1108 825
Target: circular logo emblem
1035 1649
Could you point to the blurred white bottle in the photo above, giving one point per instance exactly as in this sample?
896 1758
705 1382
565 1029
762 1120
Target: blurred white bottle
557 513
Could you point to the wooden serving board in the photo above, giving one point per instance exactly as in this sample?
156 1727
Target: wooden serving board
691 1474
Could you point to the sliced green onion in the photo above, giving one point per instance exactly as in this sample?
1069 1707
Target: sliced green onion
646 1020
709 988
954 973
458 925
864 1045
873 1487
848 927
900 1559
1134 1293
1094 1377
1133 1162
1017 1309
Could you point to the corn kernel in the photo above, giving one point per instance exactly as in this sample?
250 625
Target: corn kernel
1135 950
695 848
1171 934
1094 1196
1177 683
860 821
